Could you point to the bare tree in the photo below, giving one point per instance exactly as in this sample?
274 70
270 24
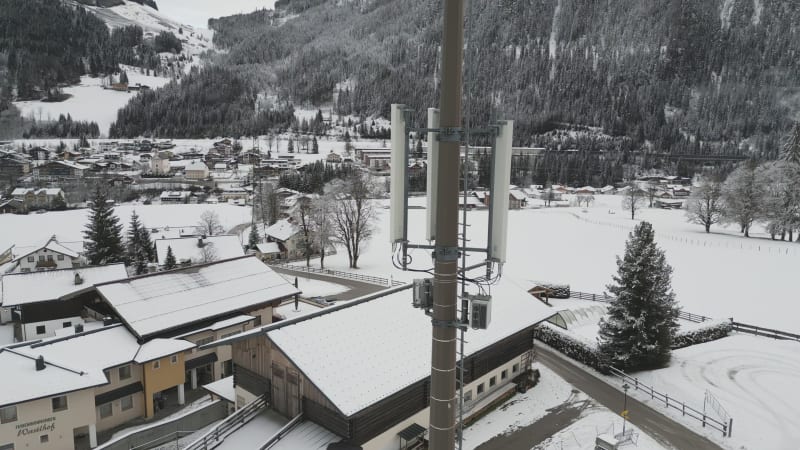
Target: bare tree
209 223
633 199
306 229
266 203
323 226
207 253
584 199
651 191
270 141
744 195
353 214
705 207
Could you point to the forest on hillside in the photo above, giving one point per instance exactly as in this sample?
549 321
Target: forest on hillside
676 77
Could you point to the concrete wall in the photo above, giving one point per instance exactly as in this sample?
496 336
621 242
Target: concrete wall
50 327
26 431
165 431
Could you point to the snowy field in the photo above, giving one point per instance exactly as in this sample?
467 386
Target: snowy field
728 276
197 12
315 288
69 225
752 377
88 101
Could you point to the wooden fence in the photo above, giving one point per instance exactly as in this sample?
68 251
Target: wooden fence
725 427
338 274
767 332
231 423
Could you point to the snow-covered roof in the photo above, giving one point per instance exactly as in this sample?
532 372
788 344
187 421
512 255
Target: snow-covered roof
72 165
518 195
24 383
70 249
175 194
197 165
220 325
164 301
104 348
282 230
362 361
21 191
288 311
268 248
222 388
187 248
308 435
32 287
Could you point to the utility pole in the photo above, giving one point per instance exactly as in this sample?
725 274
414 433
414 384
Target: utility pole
445 287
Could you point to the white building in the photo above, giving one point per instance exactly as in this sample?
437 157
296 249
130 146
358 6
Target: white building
50 255
199 249
196 170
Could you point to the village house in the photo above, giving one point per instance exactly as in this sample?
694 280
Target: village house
59 170
196 170
41 303
175 196
199 249
33 198
287 235
13 166
367 382
268 251
333 157
49 255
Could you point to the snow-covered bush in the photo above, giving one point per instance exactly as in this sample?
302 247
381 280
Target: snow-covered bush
571 347
707 333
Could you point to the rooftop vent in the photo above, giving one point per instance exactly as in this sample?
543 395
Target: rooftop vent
107 321
79 328
40 363
78 279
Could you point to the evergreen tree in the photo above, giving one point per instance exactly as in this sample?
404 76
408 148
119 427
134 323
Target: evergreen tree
147 244
252 239
314 146
137 252
290 149
791 150
641 323
103 232
169 261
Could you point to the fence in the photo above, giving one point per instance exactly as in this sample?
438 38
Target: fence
282 432
767 332
339 274
233 422
687 411
753 245
696 318
168 431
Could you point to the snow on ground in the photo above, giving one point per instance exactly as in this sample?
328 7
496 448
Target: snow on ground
199 403
88 101
197 12
553 245
551 394
581 434
316 288
69 225
752 377
255 432
6 334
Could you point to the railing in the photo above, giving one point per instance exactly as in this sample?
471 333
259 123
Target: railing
605 298
174 436
337 273
767 332
282 432
696 318
236 420
723 426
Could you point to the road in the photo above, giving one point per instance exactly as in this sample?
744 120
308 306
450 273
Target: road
356 288
651 422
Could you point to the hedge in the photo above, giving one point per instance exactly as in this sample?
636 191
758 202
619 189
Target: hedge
706 333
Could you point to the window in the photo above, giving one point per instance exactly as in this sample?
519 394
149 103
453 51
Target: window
40 329
30 258
124 372
480 389
49 257
66 324
8 414
515 368
6 446
156 364
492 381
43 439
173 359
205 340
504 374
126 403
105 410
467 396
41 258
59 403
60 257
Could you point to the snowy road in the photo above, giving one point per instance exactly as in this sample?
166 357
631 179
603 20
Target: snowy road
653 423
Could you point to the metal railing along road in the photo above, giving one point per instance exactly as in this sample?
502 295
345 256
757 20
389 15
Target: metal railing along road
338 274
687 411
605 298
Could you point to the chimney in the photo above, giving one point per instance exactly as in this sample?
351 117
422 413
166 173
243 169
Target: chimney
40 363
107 321
78 279
79 328
200 241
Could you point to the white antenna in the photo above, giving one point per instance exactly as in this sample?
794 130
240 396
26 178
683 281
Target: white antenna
397 185
501 178
433 169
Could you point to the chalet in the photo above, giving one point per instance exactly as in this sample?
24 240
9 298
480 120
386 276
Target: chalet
12 206
196 170
38 198
368 381
44 302
49 255
287 235
607 189
585 190
333 157
39 153
199 249
59 170
268 251
13 166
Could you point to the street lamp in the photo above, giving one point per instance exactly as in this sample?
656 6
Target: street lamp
625 388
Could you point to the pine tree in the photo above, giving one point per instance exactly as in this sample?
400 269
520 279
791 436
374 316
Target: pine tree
314 146
169 261
147 244
290 149
103 233
252 239
791 150
641 323
137 254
